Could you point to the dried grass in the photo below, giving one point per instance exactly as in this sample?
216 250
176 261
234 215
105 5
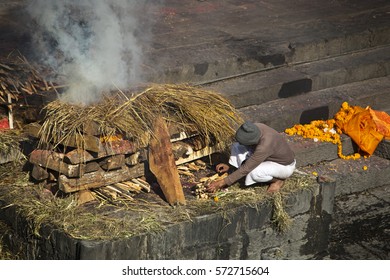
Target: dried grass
10 143
132 115
254 196
280 219
147 214
18 77
39 207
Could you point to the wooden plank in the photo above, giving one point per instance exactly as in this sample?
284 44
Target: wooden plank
99 178
196 155
55 161
112 162
162 164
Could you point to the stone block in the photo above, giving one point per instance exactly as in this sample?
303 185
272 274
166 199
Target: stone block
383 149
351 175
301 201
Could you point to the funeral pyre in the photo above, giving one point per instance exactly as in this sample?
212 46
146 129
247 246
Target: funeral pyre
112 145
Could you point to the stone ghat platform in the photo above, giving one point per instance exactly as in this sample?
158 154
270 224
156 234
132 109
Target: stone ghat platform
345 208
281 63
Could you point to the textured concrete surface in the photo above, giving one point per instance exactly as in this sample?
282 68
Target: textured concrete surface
199 41
282 62
322 104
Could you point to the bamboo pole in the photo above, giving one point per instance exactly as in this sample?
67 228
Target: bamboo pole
10 114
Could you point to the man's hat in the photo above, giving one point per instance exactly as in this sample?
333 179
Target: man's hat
248 134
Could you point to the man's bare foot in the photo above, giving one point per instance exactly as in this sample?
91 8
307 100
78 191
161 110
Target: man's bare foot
275 186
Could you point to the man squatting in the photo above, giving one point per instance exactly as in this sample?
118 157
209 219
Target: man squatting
261 154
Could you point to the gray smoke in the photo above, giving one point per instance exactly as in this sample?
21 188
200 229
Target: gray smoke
92 43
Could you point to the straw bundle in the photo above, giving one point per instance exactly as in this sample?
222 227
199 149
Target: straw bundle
132 115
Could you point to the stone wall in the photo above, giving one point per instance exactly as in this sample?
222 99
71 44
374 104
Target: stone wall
240 233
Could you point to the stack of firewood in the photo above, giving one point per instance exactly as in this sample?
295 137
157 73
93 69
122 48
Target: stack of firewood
101 162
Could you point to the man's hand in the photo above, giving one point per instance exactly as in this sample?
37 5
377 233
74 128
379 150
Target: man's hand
222 168
216 185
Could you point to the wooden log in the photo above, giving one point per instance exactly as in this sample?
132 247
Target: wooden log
196 155
88 142
91 128
32 129
94 144
181 149
162 163
177 134
197 142
133 159
99 178
84 196
109 192
112 162
120 191
55 161
77 156
143 184
92 166
116 147
39 173
129 187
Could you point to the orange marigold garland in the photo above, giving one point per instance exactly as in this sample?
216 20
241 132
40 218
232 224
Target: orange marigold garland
326 131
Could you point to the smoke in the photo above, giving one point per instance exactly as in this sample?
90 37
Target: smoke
93 44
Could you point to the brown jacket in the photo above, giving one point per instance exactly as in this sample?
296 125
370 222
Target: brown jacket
272 146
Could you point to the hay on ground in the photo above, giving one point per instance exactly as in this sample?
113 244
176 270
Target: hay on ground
10 143
143 215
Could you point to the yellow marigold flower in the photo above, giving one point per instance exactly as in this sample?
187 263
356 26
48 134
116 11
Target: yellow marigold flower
216 198
365 167
315 173
345 105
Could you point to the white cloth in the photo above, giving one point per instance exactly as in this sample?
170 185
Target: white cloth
264 172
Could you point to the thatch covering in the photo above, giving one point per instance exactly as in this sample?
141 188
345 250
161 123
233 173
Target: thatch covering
19 78
132 115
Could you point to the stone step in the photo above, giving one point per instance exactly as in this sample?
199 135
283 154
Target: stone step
322 104
344 186
200 41
353 176
233 38
284 82
309 152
